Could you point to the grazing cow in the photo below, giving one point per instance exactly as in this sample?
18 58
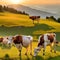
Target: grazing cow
35 18
44 40
22 40
5 41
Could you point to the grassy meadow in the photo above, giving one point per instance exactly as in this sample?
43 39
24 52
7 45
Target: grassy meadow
12 24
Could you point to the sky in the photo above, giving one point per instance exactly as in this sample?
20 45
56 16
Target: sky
52 6
32 2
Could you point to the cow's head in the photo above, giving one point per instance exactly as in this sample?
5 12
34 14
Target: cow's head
13 38
50 37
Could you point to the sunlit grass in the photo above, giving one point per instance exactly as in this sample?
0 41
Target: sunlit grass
10 19
26 28
12 52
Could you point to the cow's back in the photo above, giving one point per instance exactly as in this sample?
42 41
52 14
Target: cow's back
26 41
18 40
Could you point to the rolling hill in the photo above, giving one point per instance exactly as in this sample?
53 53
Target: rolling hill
32 11
49 8
12 24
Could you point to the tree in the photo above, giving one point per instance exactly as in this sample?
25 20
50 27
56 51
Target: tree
23 12
58 20
5 8
47 17
52 17
6 57
1 8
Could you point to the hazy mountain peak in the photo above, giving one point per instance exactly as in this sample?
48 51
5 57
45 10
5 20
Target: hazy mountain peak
32 11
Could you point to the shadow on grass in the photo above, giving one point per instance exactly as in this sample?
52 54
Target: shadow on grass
37 58
54 58
27 58
33 58
50 58
23 30
20 57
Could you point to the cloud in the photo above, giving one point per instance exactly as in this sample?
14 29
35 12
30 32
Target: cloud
32 2
42 2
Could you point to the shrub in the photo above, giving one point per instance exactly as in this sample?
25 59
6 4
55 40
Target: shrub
6 57
58 20
52 17
1 8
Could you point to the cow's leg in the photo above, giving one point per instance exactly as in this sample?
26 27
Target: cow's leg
31 48
44 51
26 51
19 46
51 47
9 44
45 44
33 21
54 50
38 20
54 47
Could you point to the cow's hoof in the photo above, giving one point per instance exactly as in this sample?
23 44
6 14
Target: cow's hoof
31 54
54 51
34 55
19 54
26 54
19 50
43 54
50 50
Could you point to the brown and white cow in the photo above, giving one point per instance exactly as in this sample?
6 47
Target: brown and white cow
22 40
44 40
35 18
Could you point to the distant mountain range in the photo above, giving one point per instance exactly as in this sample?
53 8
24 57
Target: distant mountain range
52 8
32 11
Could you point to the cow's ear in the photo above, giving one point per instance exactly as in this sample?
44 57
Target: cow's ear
12 37
47 35
57 42
54 35
7 37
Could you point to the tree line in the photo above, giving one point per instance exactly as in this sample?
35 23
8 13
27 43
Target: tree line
53 18
6 8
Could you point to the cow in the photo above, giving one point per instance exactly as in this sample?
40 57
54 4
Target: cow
35 18
44 40
22 41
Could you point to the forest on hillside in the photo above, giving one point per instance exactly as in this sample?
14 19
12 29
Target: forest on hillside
12 10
